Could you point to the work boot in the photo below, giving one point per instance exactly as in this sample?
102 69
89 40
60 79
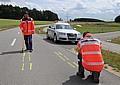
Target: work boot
96 80
95 76
81 75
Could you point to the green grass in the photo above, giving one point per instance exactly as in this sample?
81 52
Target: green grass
39 30
112 59
116 40
96 27
43 22
9 23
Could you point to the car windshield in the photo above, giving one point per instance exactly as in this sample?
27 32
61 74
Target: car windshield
63 27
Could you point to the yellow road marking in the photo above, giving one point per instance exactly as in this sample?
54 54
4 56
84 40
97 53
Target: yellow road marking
30 66
23 58
60 53
71 64
63 56
23 66
59 56
29 57
24 54
75 64
66 57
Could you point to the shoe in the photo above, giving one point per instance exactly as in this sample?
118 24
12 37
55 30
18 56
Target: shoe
81 75
30 50
96 81
26 50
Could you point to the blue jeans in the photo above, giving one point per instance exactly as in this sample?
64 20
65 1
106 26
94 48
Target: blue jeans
28 42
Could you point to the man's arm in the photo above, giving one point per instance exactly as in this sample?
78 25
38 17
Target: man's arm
21 25
33 26
77 48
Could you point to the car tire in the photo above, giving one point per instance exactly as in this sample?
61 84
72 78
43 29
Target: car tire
55 39
47 36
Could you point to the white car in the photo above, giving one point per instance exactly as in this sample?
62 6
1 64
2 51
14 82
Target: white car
63 32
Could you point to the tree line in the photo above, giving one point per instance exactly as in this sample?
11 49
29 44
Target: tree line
10 12
87 20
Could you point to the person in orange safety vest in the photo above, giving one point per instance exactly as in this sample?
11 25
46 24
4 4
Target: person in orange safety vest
27 28
90 57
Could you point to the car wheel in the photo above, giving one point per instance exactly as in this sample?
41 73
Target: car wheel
55 39
47 36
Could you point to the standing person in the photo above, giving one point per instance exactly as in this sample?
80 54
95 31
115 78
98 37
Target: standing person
27 28
90 57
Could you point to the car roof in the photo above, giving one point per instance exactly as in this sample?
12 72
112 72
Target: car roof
61 23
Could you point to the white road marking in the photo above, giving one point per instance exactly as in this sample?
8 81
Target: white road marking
13 42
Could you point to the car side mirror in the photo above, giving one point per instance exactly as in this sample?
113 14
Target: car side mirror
53 28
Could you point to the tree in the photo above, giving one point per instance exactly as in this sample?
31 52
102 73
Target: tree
117 19
10 12
87 20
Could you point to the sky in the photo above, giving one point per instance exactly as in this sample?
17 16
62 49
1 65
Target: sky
99 9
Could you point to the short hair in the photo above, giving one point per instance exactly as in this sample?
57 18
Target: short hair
85 34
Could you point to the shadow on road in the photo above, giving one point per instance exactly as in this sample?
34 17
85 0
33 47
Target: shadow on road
76 80
59 43
10 52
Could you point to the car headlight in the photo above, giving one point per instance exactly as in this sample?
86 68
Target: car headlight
79 33
61 33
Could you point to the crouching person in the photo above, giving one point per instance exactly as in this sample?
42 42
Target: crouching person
90 57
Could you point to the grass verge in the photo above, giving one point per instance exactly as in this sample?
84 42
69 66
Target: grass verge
112 59
9 23
39 30
96 27
116 40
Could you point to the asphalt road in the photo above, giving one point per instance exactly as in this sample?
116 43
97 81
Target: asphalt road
48 64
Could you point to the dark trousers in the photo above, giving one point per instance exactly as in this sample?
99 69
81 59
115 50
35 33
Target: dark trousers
80 66
28 41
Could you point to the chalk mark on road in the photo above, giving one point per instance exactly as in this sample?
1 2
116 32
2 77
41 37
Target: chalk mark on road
24 55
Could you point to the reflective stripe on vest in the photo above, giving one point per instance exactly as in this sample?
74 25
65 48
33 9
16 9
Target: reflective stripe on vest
93 63
90 43
84 42
93 52
30 30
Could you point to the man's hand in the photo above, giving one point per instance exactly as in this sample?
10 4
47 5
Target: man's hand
77 49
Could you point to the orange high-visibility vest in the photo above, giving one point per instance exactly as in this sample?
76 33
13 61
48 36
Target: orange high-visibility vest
27 26
91 55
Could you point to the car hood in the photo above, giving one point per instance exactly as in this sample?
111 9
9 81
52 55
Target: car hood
67 31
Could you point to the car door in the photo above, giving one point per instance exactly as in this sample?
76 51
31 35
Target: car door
51 31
